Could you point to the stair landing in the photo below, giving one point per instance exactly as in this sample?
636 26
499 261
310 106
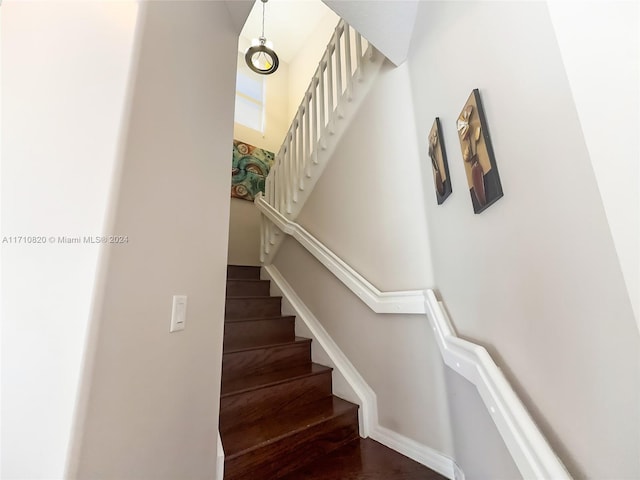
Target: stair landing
364 459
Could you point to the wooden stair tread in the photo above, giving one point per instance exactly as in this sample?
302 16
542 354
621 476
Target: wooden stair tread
246 280
250 344
364 459
271 429
255 319
234 386
253 297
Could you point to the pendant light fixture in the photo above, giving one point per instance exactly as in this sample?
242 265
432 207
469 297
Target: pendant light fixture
259 57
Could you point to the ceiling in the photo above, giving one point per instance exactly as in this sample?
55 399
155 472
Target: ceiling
288 24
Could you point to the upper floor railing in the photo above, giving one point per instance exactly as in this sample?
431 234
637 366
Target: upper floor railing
338 80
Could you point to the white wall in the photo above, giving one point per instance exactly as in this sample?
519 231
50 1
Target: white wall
367 207
152 402
244 223
395 354
65 69
607 93
387 25
535 278
244 233
305 63
276 121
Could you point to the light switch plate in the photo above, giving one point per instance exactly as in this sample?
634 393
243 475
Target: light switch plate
178 313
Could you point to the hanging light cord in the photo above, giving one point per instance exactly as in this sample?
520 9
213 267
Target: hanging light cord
268 56
263 4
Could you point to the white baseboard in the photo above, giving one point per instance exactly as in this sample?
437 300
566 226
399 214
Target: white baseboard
368 414
220 460
416 451
529 449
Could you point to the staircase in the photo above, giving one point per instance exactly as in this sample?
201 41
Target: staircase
277 412
345 74
278 417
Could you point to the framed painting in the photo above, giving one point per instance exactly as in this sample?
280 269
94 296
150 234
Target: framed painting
249 170
439 164
477 152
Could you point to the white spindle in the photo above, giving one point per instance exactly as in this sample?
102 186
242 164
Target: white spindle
330 104
287 166
322 99
338 71
347 59
301 158
314 100
359 71
307 135
263 243
294 159
275 185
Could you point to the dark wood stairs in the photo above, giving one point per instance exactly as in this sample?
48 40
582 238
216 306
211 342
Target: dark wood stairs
277 411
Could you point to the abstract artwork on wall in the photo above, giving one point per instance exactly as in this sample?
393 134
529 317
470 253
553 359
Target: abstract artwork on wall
250 168
439 164
479 161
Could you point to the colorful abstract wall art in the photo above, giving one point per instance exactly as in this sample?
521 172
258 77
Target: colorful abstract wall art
479 161
249 170
439 164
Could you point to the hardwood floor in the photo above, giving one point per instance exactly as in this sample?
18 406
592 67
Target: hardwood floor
278 416
364 459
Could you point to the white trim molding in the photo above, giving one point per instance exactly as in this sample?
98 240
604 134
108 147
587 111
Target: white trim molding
531 452
418 452
367 399
529 449
368 412
220 459
380 302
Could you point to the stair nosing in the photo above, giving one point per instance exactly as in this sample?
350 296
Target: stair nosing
348 410
255 319
323 371
296 341
246 280
252 297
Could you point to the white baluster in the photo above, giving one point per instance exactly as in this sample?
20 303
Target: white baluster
288 180
314 100
359 72
301 159
330 105
338 55
276 186
294 160
263 244
322 99
307 135
347 58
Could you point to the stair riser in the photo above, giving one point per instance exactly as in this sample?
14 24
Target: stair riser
267 359
277 330
250 406
242 288
252 307
241 271
287 454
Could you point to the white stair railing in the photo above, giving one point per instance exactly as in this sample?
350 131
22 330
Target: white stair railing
343 76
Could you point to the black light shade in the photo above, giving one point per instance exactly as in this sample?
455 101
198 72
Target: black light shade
260 58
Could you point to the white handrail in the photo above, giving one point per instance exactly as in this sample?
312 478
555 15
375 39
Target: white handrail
529 449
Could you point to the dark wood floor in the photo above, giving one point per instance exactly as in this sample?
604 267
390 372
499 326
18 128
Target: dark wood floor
364 459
